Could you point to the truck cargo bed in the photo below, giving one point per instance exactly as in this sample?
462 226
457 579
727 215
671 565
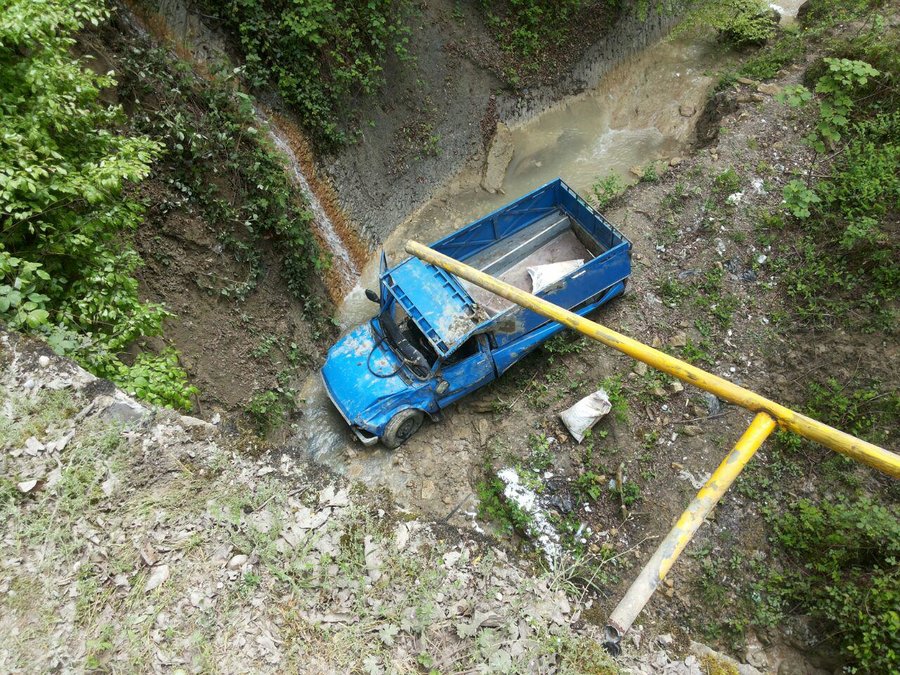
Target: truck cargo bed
552 239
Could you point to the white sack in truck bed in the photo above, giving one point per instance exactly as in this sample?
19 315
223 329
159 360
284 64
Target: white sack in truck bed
586 413
544 275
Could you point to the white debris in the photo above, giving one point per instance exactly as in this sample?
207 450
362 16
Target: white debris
157 577
27 486
586 413
758 186
735 198
544 275
527 500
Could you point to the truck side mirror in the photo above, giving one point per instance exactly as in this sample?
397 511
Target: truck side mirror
373 296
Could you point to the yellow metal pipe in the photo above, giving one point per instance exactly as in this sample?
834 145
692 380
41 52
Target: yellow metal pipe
860 450
674 543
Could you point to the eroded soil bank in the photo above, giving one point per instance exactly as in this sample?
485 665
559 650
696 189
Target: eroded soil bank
440 110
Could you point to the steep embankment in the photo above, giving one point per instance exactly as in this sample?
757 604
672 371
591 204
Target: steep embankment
441 109
228 241
138 539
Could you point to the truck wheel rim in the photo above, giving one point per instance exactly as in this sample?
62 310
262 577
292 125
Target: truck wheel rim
406 429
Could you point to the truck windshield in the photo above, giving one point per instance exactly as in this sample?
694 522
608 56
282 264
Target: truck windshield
407 341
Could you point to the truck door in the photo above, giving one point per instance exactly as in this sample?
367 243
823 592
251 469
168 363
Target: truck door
467 369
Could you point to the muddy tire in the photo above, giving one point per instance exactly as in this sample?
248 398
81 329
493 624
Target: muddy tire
401 427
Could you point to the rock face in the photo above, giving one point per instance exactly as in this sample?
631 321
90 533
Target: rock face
718 106
499 156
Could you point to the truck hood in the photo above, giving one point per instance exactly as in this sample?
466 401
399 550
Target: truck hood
348 374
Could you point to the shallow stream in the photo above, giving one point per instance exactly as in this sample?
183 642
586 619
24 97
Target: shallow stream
643 111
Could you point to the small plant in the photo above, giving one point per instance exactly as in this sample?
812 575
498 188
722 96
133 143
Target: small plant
846 556
799 198
727 182
674 292
267 410
650 175
589 486
836 87
613 387
631 492
607 189
493 506
541 457
159 379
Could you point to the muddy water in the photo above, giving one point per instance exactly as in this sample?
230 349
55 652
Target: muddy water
643 111
788 10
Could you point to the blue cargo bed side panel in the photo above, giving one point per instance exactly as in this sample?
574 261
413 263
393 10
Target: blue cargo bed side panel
500 224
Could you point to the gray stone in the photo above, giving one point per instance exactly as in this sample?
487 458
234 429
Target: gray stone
237 562
125 411
498 158
713 404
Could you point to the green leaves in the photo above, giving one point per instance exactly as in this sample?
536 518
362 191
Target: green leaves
798 198
848 551
66 270
794 96
319 53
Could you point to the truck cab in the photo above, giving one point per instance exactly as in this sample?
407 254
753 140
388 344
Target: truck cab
436 338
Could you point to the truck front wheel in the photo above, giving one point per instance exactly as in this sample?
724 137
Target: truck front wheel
401 427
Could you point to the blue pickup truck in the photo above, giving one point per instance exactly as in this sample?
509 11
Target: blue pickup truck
437 338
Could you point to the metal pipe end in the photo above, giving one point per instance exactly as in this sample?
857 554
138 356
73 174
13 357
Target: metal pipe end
612 641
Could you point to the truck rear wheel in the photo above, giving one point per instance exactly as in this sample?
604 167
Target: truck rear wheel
401 427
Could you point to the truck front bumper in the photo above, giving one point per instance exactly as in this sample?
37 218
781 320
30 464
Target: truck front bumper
364 436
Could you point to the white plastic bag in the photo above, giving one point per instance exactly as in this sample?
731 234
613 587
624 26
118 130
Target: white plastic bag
544 275
585 414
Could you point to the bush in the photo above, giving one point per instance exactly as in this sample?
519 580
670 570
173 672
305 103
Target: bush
318 53
267 410
847 576
739 23
745 23
66 267
844 257
607 189
526 26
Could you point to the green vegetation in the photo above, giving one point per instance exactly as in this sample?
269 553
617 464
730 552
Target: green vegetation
318 53
613 387
845 574
219 160
267 410
738 23
607 189
526 26
844 217
66 172
727 182
833 557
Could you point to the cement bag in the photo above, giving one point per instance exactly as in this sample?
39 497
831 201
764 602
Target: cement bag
585 414
544 275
